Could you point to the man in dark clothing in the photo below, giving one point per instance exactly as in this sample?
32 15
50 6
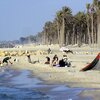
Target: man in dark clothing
6 60
64 62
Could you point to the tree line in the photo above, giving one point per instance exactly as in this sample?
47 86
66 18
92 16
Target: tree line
69 29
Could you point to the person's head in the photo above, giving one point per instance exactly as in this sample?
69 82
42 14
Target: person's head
27 51
64 56
55 55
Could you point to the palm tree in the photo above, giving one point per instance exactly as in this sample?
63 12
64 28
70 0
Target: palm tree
92 23
47 31
96 4
88 23
50 32
67 16
54 34
62 18
80 27
59 24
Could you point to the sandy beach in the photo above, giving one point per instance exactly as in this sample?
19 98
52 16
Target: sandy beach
70 76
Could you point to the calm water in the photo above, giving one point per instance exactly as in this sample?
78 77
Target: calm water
21 85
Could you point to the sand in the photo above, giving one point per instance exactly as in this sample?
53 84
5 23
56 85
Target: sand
71 76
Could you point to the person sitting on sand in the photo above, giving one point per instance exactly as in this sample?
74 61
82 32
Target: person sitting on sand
29 59
7 60
48 60
55 60
64 62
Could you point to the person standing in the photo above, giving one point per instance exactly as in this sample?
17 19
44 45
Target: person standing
49 51
29 58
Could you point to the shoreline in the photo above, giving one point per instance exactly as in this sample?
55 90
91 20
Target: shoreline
67 76
71 76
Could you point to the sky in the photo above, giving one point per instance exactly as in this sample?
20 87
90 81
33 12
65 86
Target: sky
21 18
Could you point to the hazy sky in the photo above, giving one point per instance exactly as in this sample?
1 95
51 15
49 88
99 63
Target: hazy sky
27 17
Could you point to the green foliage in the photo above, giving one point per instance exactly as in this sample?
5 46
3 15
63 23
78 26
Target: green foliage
73 27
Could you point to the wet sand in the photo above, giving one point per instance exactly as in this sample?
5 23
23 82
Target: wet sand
15 82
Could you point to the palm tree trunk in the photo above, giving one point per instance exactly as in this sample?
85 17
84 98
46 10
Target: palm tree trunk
73 35
58 30
88 29
98 31
92 31
62 33
67 40
44 36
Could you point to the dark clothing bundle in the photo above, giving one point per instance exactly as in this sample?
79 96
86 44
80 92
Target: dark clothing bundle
63 63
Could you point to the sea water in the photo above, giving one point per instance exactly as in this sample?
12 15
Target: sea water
21 85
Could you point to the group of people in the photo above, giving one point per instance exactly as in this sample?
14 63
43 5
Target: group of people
54 62
59 63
